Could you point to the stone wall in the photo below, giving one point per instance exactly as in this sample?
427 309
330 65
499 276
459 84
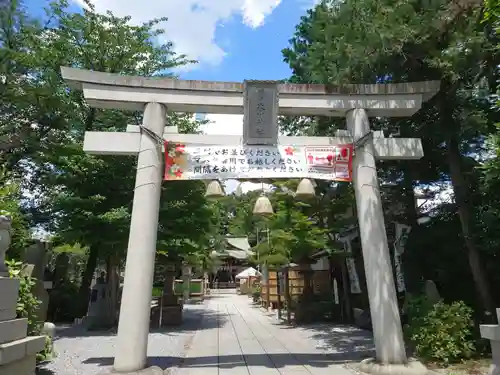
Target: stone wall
17 351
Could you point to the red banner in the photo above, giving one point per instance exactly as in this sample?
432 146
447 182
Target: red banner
173 161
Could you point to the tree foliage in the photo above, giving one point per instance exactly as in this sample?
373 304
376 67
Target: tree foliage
297 230
370 41
86 200
10 206
82 198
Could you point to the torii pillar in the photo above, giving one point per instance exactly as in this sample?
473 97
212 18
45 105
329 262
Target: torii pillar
355 102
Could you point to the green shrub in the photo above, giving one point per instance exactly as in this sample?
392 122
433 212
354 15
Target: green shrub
48 353
440 333
256 293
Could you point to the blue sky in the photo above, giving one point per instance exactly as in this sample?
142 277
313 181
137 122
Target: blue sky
232 39
254 53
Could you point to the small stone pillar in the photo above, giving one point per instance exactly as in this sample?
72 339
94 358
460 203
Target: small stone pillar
206 289
492 333
169 310
186 282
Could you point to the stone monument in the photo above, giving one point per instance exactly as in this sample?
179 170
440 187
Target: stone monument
100 313
169 310
35 259
17 351
401 237
5 223
431 292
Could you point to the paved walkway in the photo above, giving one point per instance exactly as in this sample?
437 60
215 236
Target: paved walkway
237 338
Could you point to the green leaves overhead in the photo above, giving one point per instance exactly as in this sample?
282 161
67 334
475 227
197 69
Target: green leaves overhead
82 198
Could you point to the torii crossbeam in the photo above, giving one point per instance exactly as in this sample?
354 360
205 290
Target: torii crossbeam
261 103
128 143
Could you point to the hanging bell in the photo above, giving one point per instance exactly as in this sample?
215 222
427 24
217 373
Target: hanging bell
263 206
214 190
305 189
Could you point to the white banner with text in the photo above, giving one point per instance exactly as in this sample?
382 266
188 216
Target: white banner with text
201 162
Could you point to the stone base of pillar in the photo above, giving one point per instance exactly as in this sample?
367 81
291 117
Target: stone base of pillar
171 316
170 312
154 370
371 366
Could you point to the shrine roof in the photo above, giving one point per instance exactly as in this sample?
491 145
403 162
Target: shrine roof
237 248
240 243
236 254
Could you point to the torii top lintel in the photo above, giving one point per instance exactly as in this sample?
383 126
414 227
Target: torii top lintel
106 90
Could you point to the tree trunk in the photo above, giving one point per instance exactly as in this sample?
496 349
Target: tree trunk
87 275
464 210
346 291
307 273
338 271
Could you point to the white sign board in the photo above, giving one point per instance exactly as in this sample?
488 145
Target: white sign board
200 162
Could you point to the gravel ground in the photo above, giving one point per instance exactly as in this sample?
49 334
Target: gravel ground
80 352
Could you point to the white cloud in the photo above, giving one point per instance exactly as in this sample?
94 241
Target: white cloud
308 4
192 23
224 124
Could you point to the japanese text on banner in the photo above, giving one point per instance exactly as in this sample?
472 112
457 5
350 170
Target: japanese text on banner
199 162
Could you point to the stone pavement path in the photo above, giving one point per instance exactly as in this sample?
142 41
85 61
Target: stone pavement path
226 335
236 338
80 352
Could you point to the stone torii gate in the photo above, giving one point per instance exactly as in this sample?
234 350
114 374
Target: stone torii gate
155 96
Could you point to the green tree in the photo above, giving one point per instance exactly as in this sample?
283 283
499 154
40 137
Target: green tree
297 230
83 198
15 130
10 198
369 41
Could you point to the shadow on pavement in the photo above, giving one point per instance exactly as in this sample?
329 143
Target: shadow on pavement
43 371
270 360
341 339
193 319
